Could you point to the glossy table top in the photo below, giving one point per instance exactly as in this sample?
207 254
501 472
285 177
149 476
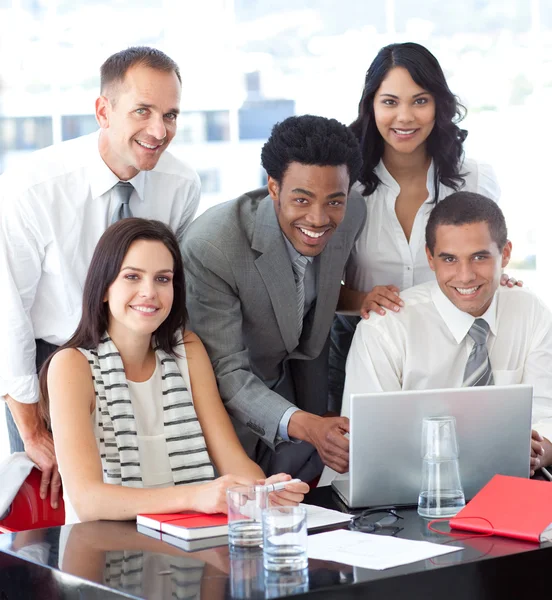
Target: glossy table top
113 560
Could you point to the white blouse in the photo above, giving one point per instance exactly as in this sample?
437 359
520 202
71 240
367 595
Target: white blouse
382 255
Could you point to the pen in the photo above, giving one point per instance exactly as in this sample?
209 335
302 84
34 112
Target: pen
546 473
276 487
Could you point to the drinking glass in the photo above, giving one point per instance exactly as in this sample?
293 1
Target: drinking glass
245 506
285 538
441 493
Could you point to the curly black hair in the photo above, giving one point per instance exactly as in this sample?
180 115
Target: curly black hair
444 143
311 140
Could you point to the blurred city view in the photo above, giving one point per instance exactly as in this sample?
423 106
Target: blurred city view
247 64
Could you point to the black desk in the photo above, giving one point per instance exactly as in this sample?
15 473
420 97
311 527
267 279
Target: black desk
112 560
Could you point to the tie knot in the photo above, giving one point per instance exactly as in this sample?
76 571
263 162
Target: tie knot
124 191
479 331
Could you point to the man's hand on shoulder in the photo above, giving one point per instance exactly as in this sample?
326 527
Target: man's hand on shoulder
326 434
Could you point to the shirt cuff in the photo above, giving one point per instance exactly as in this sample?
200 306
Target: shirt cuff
284 422
23 389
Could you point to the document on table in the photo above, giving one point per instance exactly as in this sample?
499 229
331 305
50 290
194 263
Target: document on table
324 517
371 551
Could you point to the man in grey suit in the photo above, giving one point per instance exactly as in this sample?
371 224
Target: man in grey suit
263 277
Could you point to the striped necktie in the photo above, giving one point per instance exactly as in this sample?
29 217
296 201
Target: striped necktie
123 191
478 368
299 268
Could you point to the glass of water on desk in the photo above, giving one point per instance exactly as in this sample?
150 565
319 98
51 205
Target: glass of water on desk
245 507
285 538
441 493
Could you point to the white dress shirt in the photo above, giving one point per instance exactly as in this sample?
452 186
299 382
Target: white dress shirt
426 346
382 255
53 210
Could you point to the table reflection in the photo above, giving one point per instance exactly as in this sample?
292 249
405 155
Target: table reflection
249 580
278 585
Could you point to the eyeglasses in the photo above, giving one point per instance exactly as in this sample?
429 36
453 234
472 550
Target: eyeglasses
376 520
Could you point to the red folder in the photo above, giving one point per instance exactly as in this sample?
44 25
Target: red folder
511 507
187 525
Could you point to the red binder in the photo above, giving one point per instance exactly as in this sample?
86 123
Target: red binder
511 507
187 525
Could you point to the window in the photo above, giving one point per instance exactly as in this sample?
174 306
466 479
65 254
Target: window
247 64
25 133
210 181
73 126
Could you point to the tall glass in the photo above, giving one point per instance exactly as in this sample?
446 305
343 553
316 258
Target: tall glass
441 493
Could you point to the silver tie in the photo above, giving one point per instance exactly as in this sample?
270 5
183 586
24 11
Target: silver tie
478 368
299 268
123 191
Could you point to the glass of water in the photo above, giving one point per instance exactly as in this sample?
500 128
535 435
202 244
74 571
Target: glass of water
285 538
245 506
441 493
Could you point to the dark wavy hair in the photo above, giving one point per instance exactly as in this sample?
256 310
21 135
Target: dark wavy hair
464 208
311 140
444 143
104 268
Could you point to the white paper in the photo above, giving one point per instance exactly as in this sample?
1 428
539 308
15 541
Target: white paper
371 551
323 517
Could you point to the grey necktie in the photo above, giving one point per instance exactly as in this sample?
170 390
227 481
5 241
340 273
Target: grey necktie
478 368
299 268
123 191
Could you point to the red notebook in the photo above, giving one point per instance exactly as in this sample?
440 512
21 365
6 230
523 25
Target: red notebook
511 507
187 525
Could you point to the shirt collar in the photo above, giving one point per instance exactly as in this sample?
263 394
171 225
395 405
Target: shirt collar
387 179
102 178
458 321
293 254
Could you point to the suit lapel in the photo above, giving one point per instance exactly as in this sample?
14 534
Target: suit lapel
275 269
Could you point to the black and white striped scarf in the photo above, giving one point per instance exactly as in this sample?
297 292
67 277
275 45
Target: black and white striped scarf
188 457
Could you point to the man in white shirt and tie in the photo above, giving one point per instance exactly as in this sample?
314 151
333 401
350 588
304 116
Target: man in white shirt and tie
464 329
54 208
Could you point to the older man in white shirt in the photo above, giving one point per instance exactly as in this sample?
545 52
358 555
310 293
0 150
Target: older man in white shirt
429 343
55 207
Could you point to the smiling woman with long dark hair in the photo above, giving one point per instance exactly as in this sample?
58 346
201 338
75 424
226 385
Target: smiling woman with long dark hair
408 130
136 417
413 156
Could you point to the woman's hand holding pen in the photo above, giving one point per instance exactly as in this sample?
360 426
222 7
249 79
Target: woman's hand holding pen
292 494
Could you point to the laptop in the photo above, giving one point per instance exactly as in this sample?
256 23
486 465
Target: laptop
493 430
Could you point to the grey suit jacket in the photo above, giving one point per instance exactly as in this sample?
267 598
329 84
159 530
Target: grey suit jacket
241 299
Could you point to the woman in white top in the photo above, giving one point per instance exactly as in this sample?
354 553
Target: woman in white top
126 427
412 158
